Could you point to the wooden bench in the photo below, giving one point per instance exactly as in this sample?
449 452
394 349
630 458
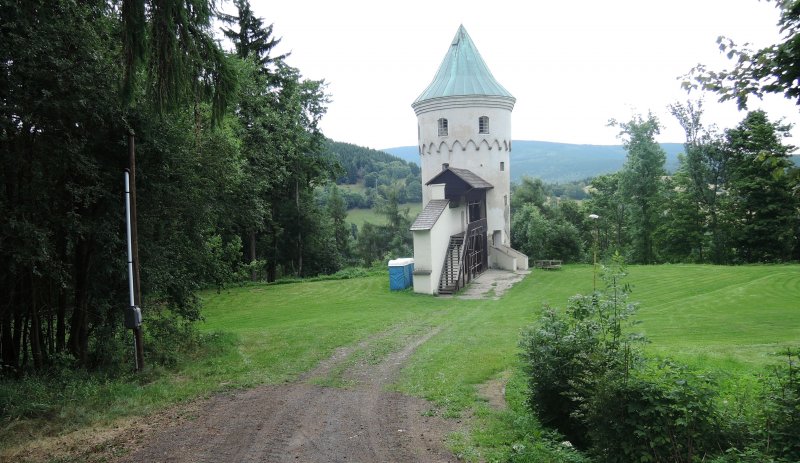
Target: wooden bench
549 264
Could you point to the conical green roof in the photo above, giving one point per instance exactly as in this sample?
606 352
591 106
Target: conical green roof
462 72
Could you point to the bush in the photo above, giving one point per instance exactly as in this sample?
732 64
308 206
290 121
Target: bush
565 354
658 411
782 408
545 449
167 337
588 378
551 354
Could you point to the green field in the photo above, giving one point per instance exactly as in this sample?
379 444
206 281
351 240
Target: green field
359 216
353 188
731 314
729 320
725 319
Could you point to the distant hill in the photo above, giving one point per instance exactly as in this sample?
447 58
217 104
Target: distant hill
364 170
560 162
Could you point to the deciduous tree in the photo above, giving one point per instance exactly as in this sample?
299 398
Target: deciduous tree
641 183
772 69
699 185
762 208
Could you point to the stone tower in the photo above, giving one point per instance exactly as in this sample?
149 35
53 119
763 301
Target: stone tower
464 139
464 121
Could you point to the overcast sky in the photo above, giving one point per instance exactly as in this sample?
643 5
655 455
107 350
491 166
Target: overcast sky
572 65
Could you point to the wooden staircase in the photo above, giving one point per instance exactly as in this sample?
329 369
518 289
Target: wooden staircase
466 258
448 282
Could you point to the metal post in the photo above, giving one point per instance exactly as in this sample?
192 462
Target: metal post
137 293
594 218
594 277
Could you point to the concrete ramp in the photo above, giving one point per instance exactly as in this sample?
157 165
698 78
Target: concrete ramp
492 284
506 258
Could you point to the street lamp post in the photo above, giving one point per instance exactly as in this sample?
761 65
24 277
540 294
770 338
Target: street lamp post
594 218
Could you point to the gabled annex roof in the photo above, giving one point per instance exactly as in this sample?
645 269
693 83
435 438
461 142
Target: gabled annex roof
428 217
463 72
467 176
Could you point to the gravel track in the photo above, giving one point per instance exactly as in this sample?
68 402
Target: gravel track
303 422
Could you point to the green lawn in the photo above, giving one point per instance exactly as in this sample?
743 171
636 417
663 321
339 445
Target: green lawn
359 216
725 317
729 319
729 316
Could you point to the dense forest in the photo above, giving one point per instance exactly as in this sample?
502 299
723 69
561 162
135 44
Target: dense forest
233 178
228 159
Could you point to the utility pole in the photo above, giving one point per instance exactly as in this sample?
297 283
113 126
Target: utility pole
133 315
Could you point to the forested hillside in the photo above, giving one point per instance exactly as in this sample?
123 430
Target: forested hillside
373 169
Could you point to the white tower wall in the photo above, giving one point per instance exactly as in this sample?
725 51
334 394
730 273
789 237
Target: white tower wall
484 154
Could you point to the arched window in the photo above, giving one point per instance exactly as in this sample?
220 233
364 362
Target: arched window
483 124
442 127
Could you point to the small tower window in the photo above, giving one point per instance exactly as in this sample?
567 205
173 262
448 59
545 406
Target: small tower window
483 124
442 127
502 166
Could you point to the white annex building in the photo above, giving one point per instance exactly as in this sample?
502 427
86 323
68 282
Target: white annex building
464 131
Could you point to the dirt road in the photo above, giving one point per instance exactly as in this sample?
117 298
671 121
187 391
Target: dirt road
304 422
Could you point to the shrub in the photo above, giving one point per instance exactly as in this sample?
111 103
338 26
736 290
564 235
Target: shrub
545 449
550 354
588 378
565 354
658 411
782 408
168 337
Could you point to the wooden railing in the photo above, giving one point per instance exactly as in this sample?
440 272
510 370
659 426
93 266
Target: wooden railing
448 279
473 258
476 253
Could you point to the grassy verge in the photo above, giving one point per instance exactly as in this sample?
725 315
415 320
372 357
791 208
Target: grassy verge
723 318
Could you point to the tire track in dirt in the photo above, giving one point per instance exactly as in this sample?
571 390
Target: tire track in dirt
303 422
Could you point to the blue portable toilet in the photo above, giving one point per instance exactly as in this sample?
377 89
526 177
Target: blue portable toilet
409 271
401 273
397 275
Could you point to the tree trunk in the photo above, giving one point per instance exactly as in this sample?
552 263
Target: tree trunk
253 273
701 245
61 320
23 346
9 354
61 306
299 229
35 326
17 336
79 329
49 338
